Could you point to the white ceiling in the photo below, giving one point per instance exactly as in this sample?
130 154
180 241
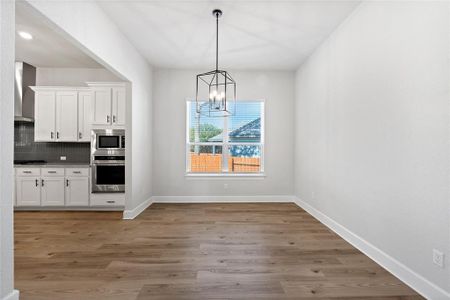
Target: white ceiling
275 35
47 48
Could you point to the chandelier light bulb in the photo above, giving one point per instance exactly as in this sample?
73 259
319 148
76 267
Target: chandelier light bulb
213 95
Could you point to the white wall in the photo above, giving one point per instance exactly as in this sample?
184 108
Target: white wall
85 23
73 76
173 87
6 148
372 131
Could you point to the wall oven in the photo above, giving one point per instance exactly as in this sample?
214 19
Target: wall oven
108 160
108 174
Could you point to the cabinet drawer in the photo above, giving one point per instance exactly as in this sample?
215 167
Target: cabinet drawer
77 172
114 199
52 172
28 171
107 202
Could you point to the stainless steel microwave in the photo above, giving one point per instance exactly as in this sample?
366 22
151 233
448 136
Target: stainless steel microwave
108 139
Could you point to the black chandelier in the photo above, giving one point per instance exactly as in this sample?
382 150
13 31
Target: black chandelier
216 90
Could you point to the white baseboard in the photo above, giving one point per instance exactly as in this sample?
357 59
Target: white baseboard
423 286
69 208
14 295
222 199
133 213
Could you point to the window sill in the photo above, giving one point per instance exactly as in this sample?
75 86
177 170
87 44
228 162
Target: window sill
225 175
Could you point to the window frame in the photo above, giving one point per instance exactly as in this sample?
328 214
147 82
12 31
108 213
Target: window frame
225 144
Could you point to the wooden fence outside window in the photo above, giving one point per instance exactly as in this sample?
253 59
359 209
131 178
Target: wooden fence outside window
212 163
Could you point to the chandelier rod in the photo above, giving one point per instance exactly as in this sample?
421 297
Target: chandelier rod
217 41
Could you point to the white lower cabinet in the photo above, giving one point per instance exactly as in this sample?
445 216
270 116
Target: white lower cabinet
51 187
60 187
28 191
77 191
52 191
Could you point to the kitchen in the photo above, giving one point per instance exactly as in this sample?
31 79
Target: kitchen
69 125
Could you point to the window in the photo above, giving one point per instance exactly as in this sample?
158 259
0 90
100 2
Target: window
230 145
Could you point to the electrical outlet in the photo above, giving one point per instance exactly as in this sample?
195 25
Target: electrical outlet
225 185
313 195
438 258
62 158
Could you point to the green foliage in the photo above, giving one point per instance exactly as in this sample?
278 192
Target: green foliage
207 131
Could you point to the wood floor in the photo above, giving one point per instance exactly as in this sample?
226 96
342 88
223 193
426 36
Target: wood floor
193 251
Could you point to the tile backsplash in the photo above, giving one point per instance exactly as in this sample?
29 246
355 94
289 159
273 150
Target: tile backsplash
26 149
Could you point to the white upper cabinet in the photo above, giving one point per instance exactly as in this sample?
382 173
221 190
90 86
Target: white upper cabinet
108 104
101 106
67 116
45 116
62 114
84 116
118 106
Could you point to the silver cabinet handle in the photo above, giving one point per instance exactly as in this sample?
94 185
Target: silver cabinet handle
114 119
80 135
42 182
67 182
76 172
51 135
37 182
52 172
57 135
110 201
107 119
27 172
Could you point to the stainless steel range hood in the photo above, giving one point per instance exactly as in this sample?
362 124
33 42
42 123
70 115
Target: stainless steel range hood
25 77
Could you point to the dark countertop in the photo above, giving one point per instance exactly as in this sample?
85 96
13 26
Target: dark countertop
54 165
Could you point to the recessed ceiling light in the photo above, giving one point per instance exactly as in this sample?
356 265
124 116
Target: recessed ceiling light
25 35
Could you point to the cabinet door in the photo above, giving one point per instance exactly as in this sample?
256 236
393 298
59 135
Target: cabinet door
44 116
52 191
77 191
101 106
118 109
67 116
28 191
84 116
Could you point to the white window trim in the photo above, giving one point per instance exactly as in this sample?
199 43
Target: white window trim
225 144
219 176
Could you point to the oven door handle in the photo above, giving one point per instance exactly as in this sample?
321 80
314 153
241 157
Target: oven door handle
111 163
